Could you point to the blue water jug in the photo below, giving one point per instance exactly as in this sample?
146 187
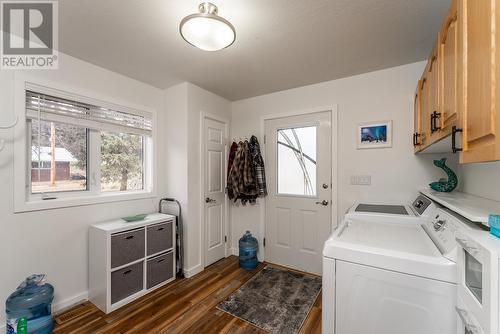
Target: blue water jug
248 251
29 307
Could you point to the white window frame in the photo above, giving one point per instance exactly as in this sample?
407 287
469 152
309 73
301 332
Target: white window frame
24 201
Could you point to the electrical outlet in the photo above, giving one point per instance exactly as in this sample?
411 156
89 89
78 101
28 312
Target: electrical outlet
361 180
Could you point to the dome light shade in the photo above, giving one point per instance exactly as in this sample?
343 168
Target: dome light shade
206 30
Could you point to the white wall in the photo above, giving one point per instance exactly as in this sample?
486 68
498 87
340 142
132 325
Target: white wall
55 241
481 179
383 95
184 105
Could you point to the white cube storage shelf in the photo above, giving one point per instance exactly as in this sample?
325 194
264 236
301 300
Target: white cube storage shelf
128 260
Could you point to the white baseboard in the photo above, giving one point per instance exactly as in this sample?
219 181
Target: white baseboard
59 306
69 302
234 251
193 271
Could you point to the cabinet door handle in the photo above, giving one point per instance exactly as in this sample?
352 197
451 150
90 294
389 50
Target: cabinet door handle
127 272
454 147
160 229
160 261
129 237
434 117
416 135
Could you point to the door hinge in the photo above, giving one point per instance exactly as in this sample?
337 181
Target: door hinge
264 139
264 242
225 238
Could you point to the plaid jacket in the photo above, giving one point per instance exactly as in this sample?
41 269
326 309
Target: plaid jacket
258 165
246 179
232 155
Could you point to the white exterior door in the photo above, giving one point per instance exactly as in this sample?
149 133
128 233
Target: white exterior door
298 207
214 195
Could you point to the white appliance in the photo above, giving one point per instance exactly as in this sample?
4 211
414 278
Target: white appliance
478 283
477 262
420 207
387 278
435 273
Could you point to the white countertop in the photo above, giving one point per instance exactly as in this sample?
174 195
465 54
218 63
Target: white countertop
120 224
474 208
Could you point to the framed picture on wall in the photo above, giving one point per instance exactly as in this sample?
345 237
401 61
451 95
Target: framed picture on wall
375 135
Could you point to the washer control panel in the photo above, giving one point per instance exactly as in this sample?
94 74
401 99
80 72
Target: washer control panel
420 204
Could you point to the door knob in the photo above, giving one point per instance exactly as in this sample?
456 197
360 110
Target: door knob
323 202
209 200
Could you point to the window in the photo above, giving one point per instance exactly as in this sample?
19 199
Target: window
84 149
62 146
121 162
297 161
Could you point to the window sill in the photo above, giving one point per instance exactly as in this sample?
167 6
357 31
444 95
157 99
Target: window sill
87 199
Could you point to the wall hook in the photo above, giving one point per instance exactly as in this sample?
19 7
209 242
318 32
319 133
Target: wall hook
13 124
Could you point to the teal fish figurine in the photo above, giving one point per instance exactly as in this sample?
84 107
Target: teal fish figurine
443 185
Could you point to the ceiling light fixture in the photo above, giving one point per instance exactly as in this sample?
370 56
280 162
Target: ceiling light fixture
206 30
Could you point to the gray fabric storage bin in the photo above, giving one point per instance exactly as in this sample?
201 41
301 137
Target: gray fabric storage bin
160 237
127 247
160 269
127 281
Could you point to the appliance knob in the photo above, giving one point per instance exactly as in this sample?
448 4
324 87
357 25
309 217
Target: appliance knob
439 225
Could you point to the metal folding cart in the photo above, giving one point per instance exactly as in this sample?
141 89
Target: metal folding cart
172 206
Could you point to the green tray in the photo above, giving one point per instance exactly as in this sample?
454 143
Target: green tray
135 218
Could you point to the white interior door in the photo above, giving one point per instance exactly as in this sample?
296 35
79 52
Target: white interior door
298 207
214 196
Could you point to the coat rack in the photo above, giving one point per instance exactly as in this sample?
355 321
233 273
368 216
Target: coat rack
5 127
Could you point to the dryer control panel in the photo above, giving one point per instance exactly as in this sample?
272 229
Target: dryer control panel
442 227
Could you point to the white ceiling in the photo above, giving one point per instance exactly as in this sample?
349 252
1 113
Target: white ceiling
280 44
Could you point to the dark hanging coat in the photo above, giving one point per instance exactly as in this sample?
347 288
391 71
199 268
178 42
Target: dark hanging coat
246 177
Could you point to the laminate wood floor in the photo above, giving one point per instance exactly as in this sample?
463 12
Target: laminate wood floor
183 306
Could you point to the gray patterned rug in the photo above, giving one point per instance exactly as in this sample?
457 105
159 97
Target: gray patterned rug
275 300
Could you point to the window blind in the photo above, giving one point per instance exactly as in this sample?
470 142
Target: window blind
56 109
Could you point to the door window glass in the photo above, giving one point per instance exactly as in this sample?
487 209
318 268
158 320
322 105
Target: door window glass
297 161
474 276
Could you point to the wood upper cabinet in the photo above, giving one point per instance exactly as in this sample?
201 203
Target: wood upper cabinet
479 119
449 58
458 93
426 103
417 133
424 112
433 114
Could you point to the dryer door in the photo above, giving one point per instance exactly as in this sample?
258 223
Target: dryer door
466 322
478 281
377 301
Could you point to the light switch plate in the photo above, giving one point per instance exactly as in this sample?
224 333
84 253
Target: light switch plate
361 180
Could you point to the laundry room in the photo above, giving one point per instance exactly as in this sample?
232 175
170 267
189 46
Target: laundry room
241 166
